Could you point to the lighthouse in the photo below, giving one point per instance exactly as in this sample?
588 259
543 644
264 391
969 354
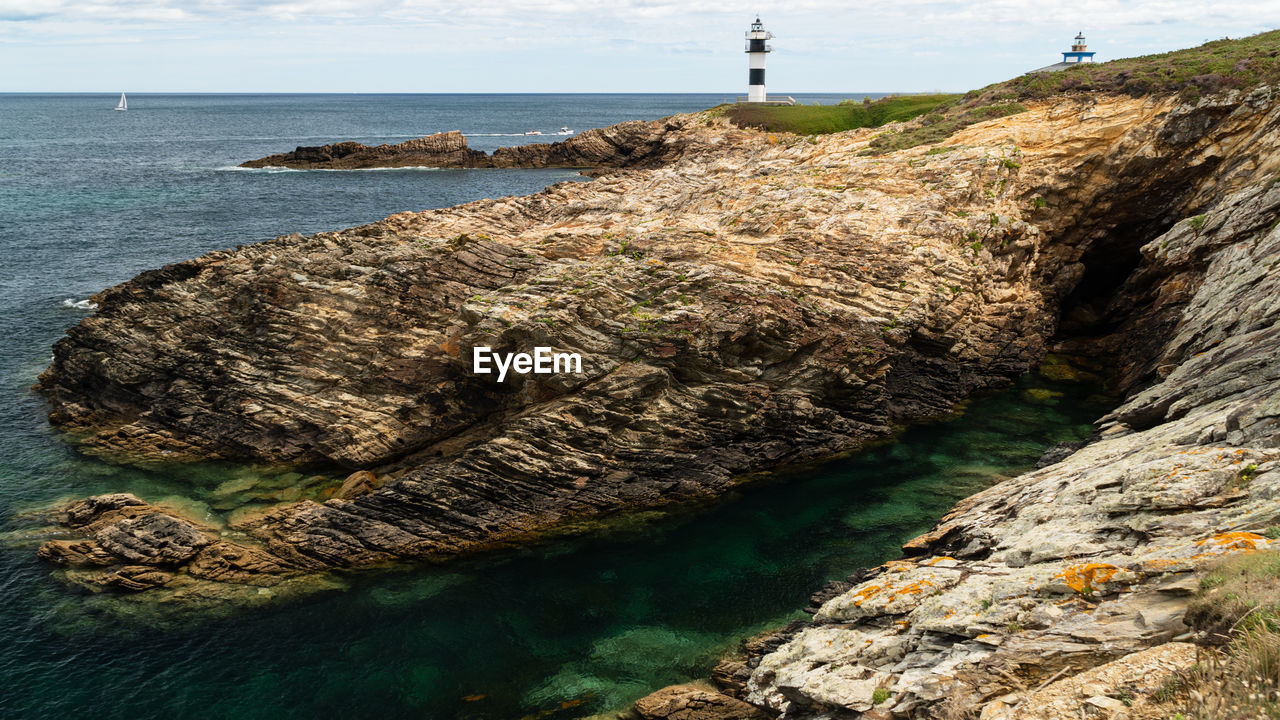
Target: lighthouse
1079 51
757 48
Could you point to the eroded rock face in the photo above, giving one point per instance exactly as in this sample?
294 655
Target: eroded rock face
629 144
1094 557
753 301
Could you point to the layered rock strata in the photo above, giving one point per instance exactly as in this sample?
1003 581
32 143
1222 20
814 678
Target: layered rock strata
755 300
1092 558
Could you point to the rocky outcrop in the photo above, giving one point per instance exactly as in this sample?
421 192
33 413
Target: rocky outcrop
630 144
756 300
1092 558
131 545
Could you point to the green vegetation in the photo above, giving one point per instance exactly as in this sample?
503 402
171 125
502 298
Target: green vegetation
1238 607
941 124
1218 65
880 695
823 119
1215 66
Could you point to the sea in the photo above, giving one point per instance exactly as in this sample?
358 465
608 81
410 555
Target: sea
571 628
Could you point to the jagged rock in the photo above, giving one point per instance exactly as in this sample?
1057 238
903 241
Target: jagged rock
134 578
628 144
357 483
228 562
1091 558
1058 453
690 702
1135 677
85 512
153 539
76 552
129 541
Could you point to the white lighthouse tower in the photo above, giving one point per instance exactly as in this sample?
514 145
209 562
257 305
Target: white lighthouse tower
757 49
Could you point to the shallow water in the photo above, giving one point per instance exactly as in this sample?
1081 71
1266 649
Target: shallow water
588 624
89 198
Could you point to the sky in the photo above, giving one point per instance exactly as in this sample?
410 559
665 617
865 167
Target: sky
578 45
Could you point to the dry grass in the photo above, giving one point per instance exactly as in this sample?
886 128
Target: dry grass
1238 607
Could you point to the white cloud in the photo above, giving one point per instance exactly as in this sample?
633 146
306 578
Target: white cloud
843 44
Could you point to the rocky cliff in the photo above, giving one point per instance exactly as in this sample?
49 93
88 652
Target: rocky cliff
1094 557
628 144
1057 592
754 299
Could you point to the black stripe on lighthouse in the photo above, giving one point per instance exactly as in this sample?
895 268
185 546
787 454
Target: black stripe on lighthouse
755 45
756 77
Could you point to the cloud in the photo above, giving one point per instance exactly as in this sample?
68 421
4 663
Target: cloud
860 14
822 43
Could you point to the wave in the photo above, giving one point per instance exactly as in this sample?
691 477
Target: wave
80 305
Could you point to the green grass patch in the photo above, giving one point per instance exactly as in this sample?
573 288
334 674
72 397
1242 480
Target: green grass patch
823 119
940 125
1243 63
1243 590
1238 607
1219 65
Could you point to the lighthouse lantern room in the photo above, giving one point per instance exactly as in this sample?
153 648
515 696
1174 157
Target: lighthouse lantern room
757 48
1079 51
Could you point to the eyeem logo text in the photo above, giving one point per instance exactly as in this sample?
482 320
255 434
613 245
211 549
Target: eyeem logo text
542 362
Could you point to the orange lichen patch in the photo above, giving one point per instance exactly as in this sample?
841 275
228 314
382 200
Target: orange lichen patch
1234 541
915 588
866 593
933 561
1082 578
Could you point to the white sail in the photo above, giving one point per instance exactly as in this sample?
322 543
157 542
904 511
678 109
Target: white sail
124 104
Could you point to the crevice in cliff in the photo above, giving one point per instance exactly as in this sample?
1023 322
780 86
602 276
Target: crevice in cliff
1088 310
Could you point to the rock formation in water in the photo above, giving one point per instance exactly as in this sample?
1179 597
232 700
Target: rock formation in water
628 144
753 299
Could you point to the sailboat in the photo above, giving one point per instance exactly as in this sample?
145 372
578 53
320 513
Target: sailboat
124 104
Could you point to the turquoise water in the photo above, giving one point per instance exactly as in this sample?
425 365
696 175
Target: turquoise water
88 198
593 622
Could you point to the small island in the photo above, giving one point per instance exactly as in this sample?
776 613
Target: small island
629 144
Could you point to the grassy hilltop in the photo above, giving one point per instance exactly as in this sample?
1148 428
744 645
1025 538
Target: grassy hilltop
1212 67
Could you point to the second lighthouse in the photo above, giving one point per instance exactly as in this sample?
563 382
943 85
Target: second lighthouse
757 48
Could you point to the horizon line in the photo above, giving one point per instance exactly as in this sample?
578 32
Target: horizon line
460 92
